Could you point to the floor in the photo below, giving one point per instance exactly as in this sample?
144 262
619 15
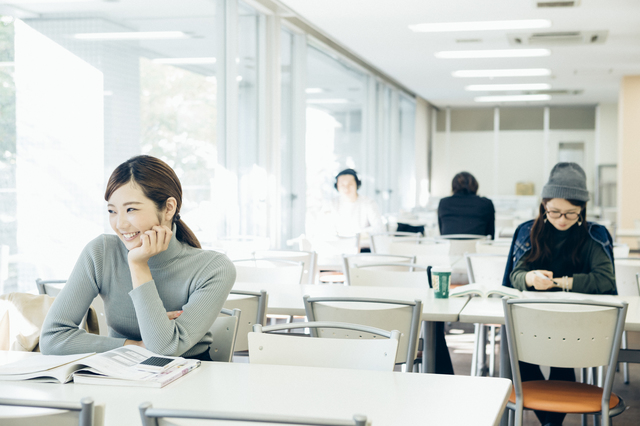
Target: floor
460 342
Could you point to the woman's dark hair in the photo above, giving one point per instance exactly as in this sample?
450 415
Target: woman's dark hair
464 183
158 182
541 236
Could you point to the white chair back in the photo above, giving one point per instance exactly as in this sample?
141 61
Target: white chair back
354 352
493 247
379 313
565 333
626 270
224 331
391 261
462 243
373 276
308 258
427 251
253 306
620 251
380 242
26 412
486 268
242 247
269 271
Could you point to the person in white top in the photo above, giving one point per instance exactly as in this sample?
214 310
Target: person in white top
353 213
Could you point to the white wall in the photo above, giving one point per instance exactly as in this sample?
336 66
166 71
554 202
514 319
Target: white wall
607 134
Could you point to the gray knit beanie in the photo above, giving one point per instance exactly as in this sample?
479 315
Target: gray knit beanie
568 181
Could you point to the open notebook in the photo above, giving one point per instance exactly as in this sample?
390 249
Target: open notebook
115 367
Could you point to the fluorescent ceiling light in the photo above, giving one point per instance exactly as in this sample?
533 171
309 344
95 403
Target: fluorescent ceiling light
184 61
312 90
481 25
504 87
327 101
135 35
531 72
516 98
502 53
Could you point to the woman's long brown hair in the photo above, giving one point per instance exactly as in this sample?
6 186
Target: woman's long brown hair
541 236
158 182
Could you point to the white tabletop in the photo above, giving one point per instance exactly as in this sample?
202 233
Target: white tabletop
489 310
287 299
386 398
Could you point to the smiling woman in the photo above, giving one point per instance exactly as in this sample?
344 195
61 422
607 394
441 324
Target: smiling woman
160 290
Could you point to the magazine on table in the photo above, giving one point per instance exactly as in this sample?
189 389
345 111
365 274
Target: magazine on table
487 290
120 366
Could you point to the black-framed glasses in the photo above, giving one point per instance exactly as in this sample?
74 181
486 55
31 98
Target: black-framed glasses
557 215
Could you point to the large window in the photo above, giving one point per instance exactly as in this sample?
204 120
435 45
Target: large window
336 95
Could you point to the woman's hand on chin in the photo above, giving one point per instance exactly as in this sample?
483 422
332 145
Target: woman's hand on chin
154 241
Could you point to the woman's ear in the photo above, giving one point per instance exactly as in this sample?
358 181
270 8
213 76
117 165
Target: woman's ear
171 206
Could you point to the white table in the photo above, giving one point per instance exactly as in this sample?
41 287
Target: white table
287 300
386 398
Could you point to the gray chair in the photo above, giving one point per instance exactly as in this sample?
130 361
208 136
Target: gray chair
309 259
224 332
354 260
380 242
254 311
380 313
83 413
567 334
626 269
150 416
486 268
356 352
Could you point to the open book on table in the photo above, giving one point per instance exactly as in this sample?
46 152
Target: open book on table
115 367
484 290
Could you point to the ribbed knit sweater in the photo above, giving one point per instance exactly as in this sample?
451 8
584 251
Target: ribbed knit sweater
184 278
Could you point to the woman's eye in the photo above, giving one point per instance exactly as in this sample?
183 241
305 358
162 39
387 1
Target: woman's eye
111 211
130 209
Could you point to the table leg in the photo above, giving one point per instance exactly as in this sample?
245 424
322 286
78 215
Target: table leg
505 367
429 350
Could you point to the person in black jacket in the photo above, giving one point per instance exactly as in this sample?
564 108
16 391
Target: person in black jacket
465 212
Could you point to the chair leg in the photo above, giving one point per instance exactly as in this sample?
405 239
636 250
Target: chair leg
584 420
492 353
474 357
482 351
625 366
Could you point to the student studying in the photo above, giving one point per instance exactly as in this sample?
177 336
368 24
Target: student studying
160 290
561 251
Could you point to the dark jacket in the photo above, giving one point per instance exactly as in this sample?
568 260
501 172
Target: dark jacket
521 244
466 214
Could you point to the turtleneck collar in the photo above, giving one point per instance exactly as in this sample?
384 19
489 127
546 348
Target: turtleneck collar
175 247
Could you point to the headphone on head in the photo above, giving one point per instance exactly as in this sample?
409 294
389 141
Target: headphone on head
348 172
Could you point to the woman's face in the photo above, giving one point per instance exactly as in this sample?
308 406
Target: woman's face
555 206
132 213
347 186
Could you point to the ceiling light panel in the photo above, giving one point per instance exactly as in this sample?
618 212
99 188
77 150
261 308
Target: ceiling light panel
480 26
506 87
514 98
502 53
524 72
138 35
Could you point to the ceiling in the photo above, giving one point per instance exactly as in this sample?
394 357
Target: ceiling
377 31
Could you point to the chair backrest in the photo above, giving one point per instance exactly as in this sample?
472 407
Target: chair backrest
427 251
337 246
354 352
241 247
150 416
353 260
308 258
83 413
253 306
269 271
374 275
620 250
380 313
54 287
564 333
380 242
224 331
493 247
486 268
462 243
626 270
